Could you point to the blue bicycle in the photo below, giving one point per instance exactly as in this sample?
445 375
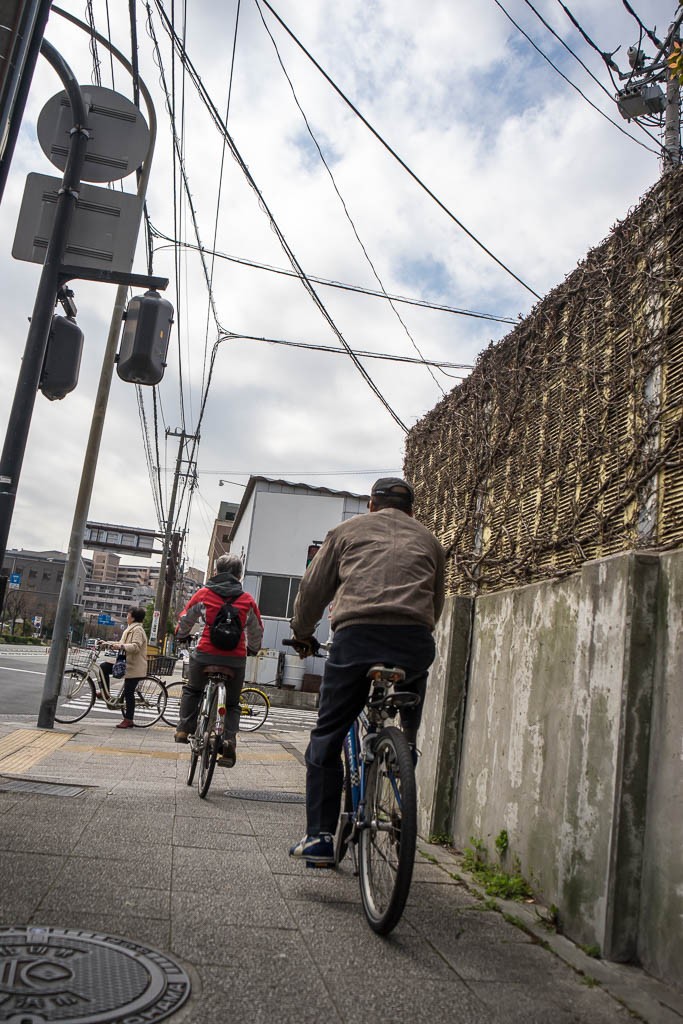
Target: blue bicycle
379 810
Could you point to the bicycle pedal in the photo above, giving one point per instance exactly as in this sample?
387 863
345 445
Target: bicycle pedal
324 867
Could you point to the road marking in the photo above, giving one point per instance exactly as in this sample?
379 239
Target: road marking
31 672
26 747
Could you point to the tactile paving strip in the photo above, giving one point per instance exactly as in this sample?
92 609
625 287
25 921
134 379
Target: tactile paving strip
80 977
23 748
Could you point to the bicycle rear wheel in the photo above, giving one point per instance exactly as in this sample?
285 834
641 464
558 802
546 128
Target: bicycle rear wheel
171 714
254 708
76 696
387 842
213 739
150 701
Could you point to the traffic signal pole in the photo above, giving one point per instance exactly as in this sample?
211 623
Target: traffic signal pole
19 423
67 594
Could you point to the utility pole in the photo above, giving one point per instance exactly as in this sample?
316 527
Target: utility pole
672 117
158 629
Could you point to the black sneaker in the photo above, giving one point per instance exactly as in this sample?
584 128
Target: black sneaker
229 756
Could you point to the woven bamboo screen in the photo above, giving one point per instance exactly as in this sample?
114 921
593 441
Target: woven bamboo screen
564 444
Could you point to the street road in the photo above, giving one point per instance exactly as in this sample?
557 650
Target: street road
21 683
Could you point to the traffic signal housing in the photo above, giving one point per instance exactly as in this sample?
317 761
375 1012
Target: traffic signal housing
59 375
144 342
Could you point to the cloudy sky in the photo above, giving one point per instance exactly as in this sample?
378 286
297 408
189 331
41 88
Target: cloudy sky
507 146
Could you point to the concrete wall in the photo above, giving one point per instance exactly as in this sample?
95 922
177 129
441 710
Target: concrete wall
660 939
546 733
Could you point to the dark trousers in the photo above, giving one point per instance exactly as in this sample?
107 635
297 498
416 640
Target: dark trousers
194 687
343 694
129 687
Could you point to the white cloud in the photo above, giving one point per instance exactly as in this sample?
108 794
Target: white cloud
509 148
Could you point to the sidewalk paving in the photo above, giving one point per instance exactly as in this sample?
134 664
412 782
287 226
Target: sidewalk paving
131 851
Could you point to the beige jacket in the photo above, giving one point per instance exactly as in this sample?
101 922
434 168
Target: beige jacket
382 567
134 640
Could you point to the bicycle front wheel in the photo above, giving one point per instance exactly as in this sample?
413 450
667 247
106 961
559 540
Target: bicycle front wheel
76 696
150 701
213 739
254 708
174 693
344 826
387 840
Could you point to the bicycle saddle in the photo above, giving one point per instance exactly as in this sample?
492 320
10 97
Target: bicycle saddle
210 670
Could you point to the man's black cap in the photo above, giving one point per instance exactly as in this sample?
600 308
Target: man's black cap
393 487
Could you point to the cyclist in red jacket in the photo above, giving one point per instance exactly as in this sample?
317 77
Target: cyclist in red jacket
205 604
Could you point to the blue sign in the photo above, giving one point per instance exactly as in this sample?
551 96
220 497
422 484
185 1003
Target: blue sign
15 579
104 620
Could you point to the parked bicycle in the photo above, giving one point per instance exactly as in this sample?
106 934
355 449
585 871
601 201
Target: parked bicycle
254 707
83 683
206 741
378 821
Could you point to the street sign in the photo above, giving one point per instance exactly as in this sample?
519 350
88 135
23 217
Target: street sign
37 621
103 232
119 136
104 620
154 629
15 579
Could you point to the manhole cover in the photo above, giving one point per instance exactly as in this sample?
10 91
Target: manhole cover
81 977
267 795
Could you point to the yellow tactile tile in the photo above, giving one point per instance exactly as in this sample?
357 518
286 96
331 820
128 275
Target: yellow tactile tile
23 748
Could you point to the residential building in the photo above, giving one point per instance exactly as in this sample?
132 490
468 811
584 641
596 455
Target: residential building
35 579
220 535
276 526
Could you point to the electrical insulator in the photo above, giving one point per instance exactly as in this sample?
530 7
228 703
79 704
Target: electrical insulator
144 342
62 360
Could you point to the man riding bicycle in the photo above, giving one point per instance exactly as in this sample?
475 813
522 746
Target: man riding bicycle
205 604
384 573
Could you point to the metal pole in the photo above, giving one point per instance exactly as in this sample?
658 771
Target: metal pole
30 33
46 298
671 158
161 582
67 594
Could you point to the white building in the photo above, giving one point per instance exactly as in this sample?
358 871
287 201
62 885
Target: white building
276 525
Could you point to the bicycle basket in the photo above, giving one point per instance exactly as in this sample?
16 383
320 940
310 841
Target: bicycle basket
162 665
79 657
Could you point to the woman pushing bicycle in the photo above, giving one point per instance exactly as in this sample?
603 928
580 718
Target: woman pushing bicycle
232 629
384 574
134 642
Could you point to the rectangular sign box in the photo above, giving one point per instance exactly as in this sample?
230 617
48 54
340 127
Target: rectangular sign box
103 233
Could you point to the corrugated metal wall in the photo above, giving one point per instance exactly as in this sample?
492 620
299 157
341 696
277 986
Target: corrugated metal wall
564 444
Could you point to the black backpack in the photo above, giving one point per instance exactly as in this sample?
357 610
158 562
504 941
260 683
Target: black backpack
225 631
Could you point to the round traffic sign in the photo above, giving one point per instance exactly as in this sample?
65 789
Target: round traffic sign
119 136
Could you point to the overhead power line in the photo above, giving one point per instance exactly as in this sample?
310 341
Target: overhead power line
229 336
343 202
396 157
359 289
569 81
218 121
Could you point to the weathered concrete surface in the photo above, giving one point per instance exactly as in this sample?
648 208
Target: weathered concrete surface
555 745
441 728
660 946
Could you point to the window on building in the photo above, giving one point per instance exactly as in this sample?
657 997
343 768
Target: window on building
46 575
32 573
276 596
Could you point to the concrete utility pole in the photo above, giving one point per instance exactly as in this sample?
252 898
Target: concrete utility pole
672 118
158 636
67 594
